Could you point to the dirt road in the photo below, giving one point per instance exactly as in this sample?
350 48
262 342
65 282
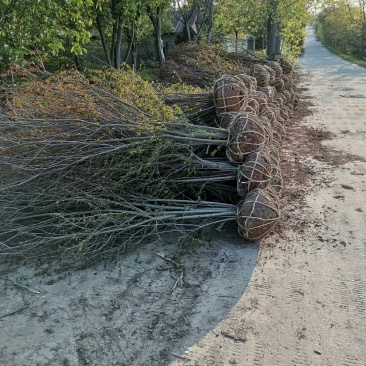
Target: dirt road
299 300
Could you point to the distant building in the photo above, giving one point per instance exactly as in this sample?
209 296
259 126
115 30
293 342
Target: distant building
178 34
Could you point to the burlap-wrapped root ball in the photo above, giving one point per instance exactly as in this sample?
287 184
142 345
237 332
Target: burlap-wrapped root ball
266 124
254 104
273 195
254 173
230 95
276 67
249 109
279 85
227 118
276 181
286 65
271 114
246 135
272 75
274 157
276 104
257 215
262 76
249 81
280 100
284 114
287 83
270 91
293 95
275 108
287 95
278 130
261 99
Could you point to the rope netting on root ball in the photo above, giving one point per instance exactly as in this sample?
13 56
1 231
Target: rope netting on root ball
230 95
276 67
261 74
255 172
246 135
257 215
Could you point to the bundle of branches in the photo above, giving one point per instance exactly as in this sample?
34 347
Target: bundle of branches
73 222
246 57
69 95
199 65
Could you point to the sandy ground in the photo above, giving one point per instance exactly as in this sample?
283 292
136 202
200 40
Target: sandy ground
296 299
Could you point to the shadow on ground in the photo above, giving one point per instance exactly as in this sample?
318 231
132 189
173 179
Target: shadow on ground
145 310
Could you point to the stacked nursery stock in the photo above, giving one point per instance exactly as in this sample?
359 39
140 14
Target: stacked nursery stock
253 108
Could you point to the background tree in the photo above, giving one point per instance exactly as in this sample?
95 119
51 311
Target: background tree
46 27
114 19
156 10
341 25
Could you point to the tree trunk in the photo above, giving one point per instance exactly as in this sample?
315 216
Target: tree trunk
103 39
132 46
117 51
157 23
210 20
77 62
130 35
278 47
113 43
186 25
134 55
271 44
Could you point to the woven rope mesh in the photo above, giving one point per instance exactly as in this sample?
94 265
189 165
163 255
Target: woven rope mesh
273 156
230 95
276 181
272 108
246 135
276 104
270 91
227 118
281 120
278 130
290 109
254 173
261 98
262 76
279 84
273 195
257 215
276 147
286 81
288 95
249 81
254 104
272 74
293 94
276 67
270 114
249 109
281 99
284 114
286 65
267 128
